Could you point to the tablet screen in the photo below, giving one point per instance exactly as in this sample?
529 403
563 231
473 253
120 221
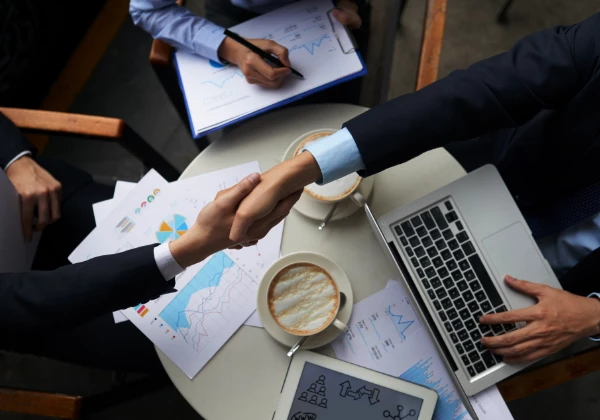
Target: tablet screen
324 394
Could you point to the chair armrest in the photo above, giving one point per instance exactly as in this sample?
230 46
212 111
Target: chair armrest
61 122
549 375
161 52
431 44
40 403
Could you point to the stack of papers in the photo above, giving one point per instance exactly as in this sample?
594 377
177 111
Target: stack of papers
319 48
385 334
216 296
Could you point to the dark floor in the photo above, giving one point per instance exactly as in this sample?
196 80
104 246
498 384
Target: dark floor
124 86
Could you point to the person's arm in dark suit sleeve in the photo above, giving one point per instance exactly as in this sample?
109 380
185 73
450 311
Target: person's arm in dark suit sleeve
12 142
71 295
542 71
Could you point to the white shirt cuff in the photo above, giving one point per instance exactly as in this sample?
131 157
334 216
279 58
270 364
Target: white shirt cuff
167 265
19 156
337 155
596 295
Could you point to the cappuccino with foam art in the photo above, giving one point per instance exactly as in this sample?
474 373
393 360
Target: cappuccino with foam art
303 299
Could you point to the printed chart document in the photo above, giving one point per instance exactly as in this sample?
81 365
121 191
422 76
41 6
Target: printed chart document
213 299
385 335
319 48
216 296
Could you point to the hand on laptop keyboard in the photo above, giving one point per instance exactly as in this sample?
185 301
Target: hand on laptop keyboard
557 320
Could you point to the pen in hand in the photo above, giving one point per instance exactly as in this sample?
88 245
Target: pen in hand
263 54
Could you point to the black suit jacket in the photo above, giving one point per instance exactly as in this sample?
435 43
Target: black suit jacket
42 301
533 111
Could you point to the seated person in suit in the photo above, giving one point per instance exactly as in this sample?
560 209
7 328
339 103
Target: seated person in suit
181 28
533 112
64 311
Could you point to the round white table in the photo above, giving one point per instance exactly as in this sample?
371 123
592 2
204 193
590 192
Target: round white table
244 379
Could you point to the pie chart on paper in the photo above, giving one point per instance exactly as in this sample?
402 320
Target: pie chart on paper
171 229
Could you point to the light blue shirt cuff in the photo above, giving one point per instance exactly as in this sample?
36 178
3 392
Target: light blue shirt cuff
596 295
336 155
208 40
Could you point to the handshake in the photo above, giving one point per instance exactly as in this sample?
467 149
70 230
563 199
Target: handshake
246 212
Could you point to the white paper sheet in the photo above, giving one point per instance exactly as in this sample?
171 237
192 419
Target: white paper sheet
319 48
16 256
122 188
214 297
385 335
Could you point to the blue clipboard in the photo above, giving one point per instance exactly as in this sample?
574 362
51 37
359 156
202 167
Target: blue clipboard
284 102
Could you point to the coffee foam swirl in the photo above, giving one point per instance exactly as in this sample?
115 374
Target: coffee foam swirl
303 298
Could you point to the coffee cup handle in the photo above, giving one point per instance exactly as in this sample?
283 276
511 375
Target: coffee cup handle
358 199
339 325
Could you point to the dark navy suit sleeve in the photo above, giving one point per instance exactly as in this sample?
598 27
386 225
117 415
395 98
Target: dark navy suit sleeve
73 294
542 71
12 142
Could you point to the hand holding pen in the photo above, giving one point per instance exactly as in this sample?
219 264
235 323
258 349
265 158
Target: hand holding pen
253 66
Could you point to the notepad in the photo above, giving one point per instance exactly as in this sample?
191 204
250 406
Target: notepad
319 47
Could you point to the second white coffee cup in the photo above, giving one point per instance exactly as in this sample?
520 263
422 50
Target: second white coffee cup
303 299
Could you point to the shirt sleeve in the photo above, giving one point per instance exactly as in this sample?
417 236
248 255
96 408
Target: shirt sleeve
596 295
179 27
13 160
167 265
336 155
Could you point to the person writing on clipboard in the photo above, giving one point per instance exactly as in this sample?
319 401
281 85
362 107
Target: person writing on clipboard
188 32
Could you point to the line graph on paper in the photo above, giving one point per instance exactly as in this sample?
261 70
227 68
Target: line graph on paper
222 76
400 321
204 306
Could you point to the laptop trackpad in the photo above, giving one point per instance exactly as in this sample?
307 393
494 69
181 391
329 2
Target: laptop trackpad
512 251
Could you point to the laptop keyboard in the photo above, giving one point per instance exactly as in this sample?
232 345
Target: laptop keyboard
457 283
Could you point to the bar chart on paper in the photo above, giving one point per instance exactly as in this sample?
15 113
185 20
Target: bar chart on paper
385 334
214 299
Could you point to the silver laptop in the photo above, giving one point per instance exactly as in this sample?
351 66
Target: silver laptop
453 248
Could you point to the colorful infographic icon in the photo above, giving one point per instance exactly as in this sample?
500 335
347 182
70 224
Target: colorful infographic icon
171 229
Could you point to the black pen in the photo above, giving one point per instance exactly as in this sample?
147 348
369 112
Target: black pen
265 55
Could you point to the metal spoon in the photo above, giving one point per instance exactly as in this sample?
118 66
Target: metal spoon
328 217
296 346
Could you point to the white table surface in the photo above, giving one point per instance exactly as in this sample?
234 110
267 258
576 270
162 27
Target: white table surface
244 378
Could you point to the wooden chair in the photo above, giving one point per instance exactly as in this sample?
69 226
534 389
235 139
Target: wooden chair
105 129
92 127
538 377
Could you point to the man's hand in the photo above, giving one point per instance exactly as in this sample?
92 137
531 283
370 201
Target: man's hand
210 233
557 320
278 187
38 190
255 69
346 13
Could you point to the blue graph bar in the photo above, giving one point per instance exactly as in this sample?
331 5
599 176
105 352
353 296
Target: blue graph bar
449 406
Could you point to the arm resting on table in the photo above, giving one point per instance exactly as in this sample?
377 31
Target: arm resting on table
543 71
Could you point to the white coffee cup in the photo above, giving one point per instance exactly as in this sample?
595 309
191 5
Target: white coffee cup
304 299
333 191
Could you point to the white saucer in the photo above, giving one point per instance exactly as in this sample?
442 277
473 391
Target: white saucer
275 330
317 210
